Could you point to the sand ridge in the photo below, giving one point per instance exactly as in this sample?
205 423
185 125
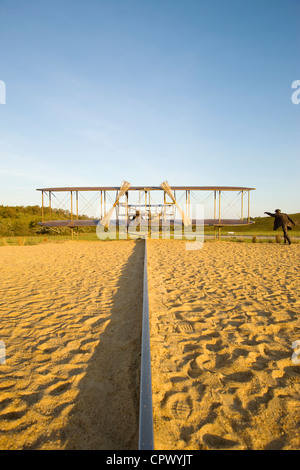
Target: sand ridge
223 320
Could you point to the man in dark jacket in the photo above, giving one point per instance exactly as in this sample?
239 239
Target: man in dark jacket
284 221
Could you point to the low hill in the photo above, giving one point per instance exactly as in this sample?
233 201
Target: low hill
265 224
23 220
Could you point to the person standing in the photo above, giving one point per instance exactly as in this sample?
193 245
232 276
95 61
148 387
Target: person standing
284 221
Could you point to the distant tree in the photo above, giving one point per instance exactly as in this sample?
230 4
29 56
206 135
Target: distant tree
8 212
20 228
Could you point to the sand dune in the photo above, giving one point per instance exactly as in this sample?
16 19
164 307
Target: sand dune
223 320
70 320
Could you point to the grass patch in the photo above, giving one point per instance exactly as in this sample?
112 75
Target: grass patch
37 240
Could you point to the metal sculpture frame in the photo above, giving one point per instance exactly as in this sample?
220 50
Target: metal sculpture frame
217 221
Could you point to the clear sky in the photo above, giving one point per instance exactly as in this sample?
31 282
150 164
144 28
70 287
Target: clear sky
196 92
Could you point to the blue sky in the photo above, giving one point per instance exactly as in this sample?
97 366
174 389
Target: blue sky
196 92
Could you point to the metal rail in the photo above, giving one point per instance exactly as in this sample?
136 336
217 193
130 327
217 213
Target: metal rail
146 439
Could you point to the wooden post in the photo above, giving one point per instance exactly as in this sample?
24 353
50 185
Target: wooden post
215 204
242 205
138 227
117 210
126 212
248 205
146 223
149 220
219 228
77 205
72 210
101 213
174 207
186 201
50 205
163 230
77 213
42 206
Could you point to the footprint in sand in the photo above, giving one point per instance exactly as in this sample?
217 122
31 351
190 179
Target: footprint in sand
167 366
179 406
214 441
242 376
194 370
185 328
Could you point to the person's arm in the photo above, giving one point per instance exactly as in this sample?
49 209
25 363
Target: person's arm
269 213
292 222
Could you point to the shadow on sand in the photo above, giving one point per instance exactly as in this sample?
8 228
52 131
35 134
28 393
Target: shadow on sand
106 411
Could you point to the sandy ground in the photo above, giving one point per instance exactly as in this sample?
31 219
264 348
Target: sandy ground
70 317
223 320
